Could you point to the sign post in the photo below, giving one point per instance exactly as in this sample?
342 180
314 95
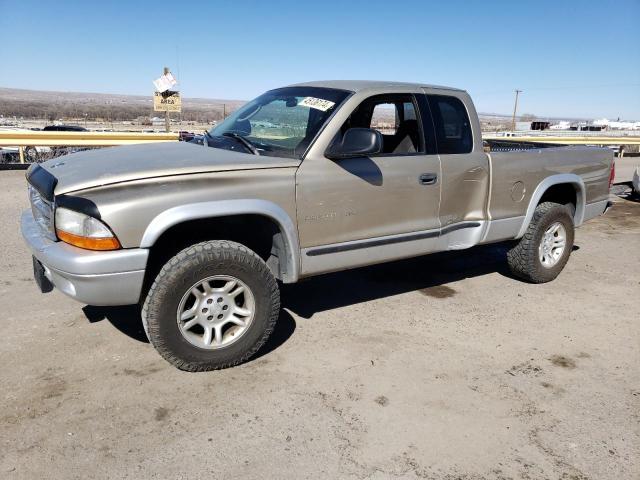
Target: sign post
167 127
164 99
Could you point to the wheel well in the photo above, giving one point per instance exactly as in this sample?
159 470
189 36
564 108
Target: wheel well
257 232
562 193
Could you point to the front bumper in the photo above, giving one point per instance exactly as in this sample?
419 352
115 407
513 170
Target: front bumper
95 278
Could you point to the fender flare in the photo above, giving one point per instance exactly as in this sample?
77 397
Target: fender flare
543 186
223 208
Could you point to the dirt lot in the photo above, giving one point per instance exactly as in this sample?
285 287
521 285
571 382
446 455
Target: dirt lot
441 368
625 167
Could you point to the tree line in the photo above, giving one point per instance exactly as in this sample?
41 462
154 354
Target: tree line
21 109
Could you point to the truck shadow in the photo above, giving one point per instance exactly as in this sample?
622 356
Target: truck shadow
428 274
127 320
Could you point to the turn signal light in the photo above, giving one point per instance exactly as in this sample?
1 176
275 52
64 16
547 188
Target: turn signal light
89 243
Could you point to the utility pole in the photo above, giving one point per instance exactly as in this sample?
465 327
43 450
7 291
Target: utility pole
224 111
166 112
515 108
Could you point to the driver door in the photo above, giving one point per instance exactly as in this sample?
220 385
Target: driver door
362 210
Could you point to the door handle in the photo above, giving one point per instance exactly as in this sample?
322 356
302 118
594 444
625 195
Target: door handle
428 178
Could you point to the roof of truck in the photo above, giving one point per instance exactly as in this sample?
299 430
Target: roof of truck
357 85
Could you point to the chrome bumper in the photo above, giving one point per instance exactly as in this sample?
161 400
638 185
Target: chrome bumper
95 278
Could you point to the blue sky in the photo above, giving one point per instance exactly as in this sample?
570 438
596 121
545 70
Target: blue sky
571 58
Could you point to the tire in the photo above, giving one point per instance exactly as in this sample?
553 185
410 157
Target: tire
216 264
31 155
525 258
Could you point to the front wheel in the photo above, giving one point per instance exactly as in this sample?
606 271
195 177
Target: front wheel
544 249
211 306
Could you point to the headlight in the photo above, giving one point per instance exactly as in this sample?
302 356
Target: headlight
83 231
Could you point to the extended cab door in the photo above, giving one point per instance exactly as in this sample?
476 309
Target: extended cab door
465 168
364 210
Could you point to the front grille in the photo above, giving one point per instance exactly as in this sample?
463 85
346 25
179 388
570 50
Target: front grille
42 211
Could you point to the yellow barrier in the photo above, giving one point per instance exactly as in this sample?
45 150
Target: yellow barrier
568 140
13 138
17 138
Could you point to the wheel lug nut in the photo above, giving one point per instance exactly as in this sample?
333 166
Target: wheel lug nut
219 317
205 310
219 300
224 307
209 301
209 317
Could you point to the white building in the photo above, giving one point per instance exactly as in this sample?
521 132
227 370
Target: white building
616 125
563 125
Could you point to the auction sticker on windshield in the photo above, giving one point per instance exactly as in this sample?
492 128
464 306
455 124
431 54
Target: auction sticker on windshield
317 103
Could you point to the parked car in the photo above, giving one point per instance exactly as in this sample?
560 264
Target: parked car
198 139
43 153
64 128
9 155
184 136
300 181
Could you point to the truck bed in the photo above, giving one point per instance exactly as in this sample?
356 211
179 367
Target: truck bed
524 166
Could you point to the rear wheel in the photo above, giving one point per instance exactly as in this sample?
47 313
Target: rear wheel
211 306
544 249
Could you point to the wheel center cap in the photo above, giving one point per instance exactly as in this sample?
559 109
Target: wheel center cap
207 308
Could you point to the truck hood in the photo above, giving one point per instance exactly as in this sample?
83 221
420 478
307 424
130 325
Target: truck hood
104 166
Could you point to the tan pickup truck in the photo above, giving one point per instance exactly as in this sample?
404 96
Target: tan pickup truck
303 180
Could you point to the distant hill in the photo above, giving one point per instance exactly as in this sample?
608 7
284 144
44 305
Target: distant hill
53 105
39 104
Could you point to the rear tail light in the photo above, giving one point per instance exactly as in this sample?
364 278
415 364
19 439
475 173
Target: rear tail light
612 174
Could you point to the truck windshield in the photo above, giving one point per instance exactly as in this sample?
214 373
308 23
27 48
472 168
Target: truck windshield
281 122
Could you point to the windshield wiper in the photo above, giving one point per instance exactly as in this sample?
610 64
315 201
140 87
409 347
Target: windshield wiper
250 146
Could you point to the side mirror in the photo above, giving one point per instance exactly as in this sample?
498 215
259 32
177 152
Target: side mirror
356 142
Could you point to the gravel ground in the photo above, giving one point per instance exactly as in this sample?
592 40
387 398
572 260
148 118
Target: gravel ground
441 367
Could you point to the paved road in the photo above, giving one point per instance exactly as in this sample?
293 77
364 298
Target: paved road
442 368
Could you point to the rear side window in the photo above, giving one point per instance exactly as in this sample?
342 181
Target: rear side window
451 122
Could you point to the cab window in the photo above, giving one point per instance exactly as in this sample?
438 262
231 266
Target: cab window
395 117
452 125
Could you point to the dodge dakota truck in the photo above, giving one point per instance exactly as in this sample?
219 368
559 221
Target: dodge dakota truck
306 179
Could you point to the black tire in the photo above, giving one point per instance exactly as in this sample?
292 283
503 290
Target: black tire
31 155
189 266
523 258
